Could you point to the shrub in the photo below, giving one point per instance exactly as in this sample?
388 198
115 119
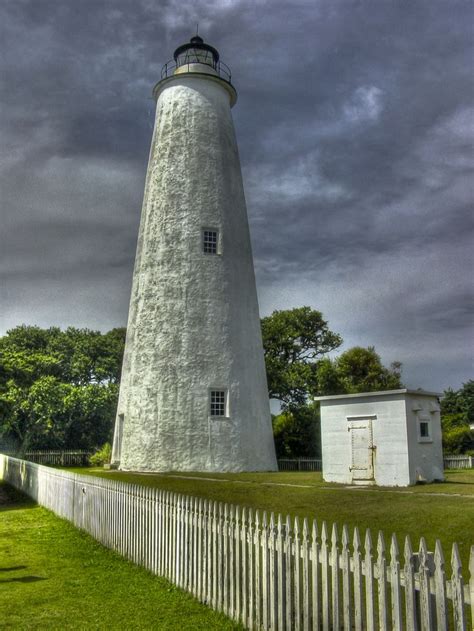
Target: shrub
297 432
101 457
458 440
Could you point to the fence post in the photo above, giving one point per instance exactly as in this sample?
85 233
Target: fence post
358 589
369 582
471 582
280 586
424 578
395 585
457 588
410 598
440 588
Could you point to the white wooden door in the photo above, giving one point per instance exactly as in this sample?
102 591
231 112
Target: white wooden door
362 450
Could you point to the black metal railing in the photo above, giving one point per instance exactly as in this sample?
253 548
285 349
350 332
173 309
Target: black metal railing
222 69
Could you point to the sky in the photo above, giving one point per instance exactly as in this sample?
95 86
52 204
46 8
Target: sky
355 124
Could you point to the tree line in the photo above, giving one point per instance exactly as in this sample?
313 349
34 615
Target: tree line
59 388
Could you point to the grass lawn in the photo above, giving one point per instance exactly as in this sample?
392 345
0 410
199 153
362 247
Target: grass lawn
442 511
55 577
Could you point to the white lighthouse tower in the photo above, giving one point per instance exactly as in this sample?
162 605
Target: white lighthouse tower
193 393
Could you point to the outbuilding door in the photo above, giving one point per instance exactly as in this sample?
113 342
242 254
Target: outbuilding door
362 450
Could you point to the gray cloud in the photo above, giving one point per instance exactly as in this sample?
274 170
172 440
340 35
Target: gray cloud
355 124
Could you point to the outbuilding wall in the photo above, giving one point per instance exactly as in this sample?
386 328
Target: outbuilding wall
425 457
401 451
391 466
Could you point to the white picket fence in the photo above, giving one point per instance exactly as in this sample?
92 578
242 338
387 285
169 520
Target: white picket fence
300 464
60 457
458 462
266 572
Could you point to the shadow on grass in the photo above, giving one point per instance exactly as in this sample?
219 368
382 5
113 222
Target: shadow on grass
12 569
23 579
11 499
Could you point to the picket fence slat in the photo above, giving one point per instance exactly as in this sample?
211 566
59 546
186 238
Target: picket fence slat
458 462
325 577
357 580
280 598
346 580
266 573
288 597
250 567
316 464
395 586
425 596
305 575
369 583
315 583
296 575
382 582
300 464
61 457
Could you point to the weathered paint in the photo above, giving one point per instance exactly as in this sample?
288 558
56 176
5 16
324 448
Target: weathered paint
399 456
193 320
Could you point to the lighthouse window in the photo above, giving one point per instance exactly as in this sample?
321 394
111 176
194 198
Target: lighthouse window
210 240
218 403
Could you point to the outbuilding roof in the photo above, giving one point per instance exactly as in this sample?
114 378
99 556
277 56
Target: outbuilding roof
380 393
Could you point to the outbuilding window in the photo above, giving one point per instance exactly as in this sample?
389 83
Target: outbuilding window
424 430
210 241
218 403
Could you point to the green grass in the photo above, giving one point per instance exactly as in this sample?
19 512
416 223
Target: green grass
442 511
55 577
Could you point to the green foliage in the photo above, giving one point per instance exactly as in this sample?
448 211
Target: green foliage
293 340
357 370
457 412
91 413
297 432
58 389
458 440
102 456
459 402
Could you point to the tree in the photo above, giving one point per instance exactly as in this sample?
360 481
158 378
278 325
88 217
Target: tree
90 415
357 370
457 413
458 440
297 432
293 340
58 388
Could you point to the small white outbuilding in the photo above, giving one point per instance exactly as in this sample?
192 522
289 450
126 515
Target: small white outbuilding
390 438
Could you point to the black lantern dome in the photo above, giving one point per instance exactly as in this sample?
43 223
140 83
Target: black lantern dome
196 57
196 52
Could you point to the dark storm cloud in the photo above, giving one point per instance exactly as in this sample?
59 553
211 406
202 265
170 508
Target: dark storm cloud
355 123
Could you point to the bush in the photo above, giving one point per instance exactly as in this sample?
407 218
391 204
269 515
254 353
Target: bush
297 432
101 457
458 440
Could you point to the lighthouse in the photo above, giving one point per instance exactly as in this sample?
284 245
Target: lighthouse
193 391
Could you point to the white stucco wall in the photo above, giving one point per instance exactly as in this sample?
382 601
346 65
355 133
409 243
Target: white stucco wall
390 457
193 320
425 456
399 457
